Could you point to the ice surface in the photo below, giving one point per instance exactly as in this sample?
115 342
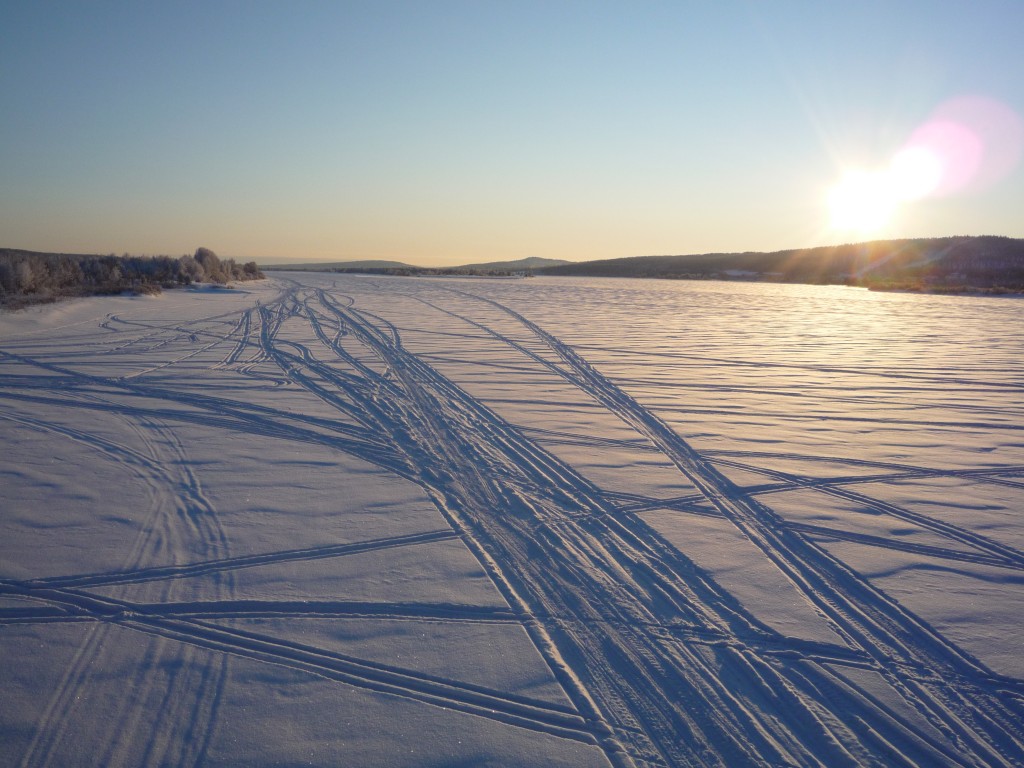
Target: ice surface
352 520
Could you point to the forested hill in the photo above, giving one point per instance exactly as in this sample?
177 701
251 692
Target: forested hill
950 263
28 277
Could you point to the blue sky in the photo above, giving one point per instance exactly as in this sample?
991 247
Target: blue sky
449 132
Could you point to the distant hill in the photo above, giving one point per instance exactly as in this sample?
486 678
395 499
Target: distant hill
530 262
341 266
943 263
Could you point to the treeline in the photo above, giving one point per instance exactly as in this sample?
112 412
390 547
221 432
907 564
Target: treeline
940 263
28 277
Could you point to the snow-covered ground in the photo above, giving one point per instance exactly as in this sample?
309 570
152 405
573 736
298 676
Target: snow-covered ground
347 520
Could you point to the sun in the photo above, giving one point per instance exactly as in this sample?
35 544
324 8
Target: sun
863 201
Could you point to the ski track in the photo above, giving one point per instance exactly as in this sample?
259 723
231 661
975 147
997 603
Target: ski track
661 664
181 519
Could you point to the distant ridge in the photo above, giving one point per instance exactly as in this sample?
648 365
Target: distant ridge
528 264
334 266
941 263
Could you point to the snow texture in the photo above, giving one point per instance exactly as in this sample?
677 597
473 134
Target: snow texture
354 520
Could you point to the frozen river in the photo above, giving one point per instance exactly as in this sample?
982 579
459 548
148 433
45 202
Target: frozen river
350 520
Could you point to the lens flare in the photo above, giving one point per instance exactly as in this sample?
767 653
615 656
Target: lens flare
983 141
957 151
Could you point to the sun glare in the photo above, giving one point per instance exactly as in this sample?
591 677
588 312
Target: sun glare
914 173
860 202
864 202
968 143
